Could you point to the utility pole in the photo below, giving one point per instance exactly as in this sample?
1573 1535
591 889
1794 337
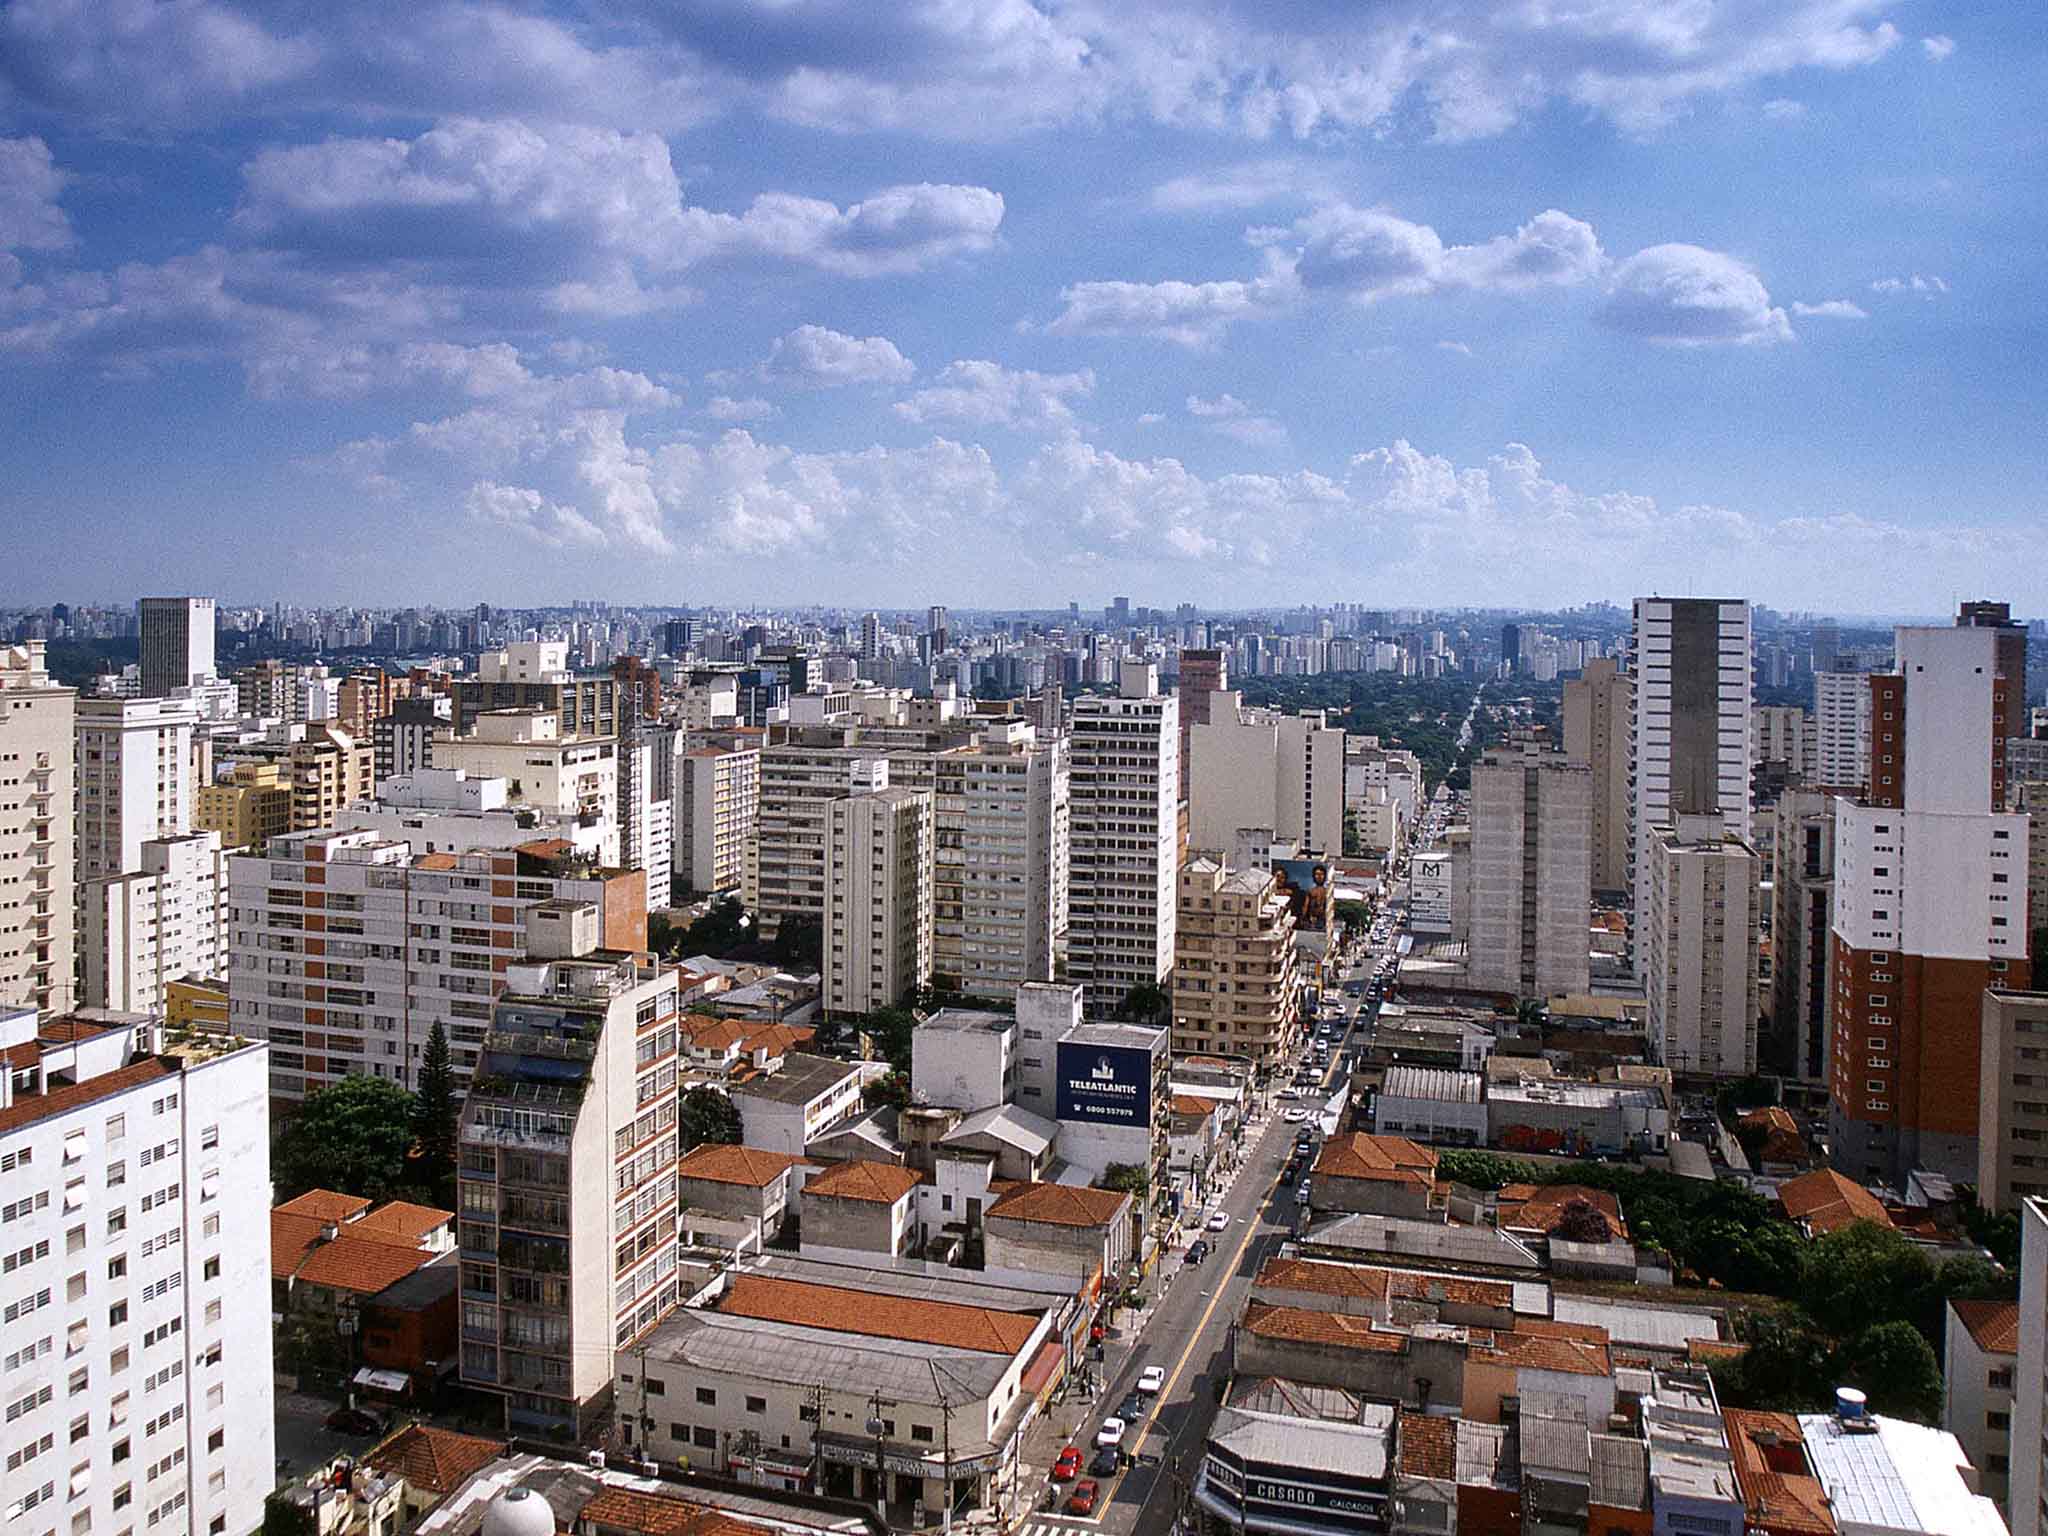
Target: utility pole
814 1399
876 1426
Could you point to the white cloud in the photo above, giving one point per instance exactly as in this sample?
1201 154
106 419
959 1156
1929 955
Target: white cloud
899 229
1782 109
526 511
979 393
1551 250
753 408
1151 418
1937 47
1920 282
1684 295
1366 254
1248 184
30 219
1831 309
1458 347
814 357
1191 314
1230 417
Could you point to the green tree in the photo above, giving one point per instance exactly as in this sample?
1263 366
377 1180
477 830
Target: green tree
433 1119
1146 1003
1768 1259
1126 1179
1786 1366
800 942
284 1516
724 928
1530 1014
1996 1232
1354 915
1896 1367
889 1031
1861 1275
352 1136
706 1115
892 1090
1484 1170
1581 1221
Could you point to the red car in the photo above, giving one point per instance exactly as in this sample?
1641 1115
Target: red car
1068 1466
1095 1334
1082 1500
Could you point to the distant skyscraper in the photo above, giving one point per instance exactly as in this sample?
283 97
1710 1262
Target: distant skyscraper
1511 647
1596 733
1202 672
1841 728
870 637
177 643
1689 749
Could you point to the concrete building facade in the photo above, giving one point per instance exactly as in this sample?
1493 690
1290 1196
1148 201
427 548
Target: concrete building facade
1597 711
878 900
1532 872
37 805
717 816
134 779
1700 954
176 642
1802 917
2012 1099
1236 984
2029 1470
166 920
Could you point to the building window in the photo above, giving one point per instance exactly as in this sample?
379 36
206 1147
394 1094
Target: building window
708 1396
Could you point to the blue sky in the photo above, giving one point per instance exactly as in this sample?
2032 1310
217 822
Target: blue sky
1001 303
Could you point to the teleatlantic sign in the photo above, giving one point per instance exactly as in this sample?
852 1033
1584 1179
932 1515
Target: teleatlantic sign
1105 1085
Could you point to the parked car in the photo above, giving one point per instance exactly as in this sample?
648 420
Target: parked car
1107 1462
1218 1221
1132 1408
1152 1379
1198 1250
1082 1500
1111 1433
1301 1193
355 1421
1295 1116
1068 1467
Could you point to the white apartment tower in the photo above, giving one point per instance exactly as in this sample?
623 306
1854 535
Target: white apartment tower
37 800
717 815
878 900
798 785
1841 730
167 919
177 643
135 1219
1700 948
1532 872
1123 882
1689 751
1000 855
567 1176
134 779
1257 768
2029 1483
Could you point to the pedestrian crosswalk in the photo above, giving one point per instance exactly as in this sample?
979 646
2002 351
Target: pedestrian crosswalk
1045 1525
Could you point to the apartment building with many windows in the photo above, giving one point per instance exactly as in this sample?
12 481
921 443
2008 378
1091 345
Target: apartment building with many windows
1236 989
37 806
1000 860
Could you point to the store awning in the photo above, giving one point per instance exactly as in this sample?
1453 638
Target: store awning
383 1381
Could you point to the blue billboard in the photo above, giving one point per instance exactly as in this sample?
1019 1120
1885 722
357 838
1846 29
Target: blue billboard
1104 1084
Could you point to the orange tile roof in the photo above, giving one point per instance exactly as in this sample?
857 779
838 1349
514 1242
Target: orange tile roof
1543 1207
1823 1200
835 1309
1778 1487
28 1108
874 1183
26 1054
291 1239
1357 1280
365 1265
64 1029
720 1164
1060 1205
1300 1325
1714 1349
1409 1285
432 1459
1782 1141
1383 1159
1193 1104
1995 1325
654 1514
325 1205
1428 1445
1530 1349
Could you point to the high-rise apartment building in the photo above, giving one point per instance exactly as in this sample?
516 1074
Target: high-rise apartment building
878 900
1000 849
567 1187
2010 653
1532 872
1802 918
556 774
1203 672
717 817
2029 1468
534 674
1930 909
1782 740
798 784
1700 948
1122 887
249 807
402 739
2012 1109
1257 768
1597 706
166 919
1236 983
37 800
135 1215
1841 730
176 642
1689 741
345 949
134 779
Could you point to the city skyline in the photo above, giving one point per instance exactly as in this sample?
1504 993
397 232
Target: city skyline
1509 306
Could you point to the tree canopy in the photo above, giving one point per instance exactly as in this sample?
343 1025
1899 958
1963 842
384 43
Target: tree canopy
352 1136
434 1113
706 1115
1146 1003
1125 1179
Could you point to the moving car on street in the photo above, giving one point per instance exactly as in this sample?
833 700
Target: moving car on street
1082 1500
1068 1467
1152 1379
1111 1433
1218 1221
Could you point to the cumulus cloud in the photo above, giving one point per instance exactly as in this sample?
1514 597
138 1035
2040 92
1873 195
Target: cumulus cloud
1230 417
1459 347
1685 295
753 408
30 219
815 357
524 510
1782 109
976 392
1831 309
1937 47
1191 314
1920 282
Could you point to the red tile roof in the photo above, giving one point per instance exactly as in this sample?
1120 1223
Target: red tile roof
434 1460
654 1514
291 1239
1060 1205
1771 1469
873 1183
1994 1325
1351 1280
28 1108
719 1164
360 1264
1382 1159
1531 1349
402 1221
325 1205
835 1309
1428 1446
1823 1200
1300 1325
1193 1104
1541 1207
